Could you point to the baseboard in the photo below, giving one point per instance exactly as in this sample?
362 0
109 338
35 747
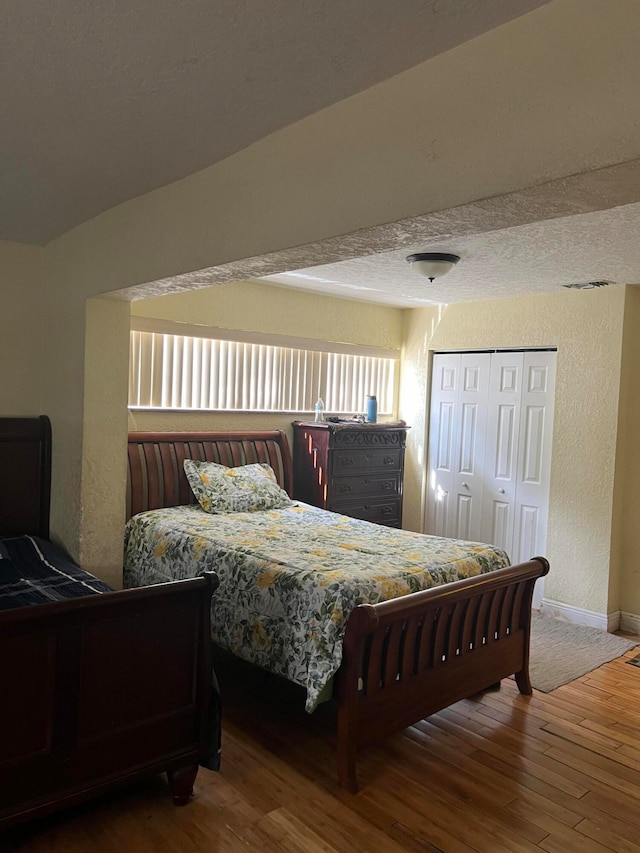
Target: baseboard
578 616
630 622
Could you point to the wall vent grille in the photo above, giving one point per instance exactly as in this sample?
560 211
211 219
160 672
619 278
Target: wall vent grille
587 285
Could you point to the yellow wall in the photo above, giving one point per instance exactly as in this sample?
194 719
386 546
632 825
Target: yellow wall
252 306
21 328
586 327
103 496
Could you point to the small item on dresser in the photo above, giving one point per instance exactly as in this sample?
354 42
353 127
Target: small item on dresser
372 409
319 410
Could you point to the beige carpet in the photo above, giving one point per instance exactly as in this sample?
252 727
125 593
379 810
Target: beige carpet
561 652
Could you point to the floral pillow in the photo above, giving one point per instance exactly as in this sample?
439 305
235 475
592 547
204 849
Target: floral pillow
219 489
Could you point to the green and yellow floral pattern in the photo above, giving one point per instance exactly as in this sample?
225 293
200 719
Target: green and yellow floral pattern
247 488
289 578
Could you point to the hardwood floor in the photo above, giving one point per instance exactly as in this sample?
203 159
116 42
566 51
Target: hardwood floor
498 773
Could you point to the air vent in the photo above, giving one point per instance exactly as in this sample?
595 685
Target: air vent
587 285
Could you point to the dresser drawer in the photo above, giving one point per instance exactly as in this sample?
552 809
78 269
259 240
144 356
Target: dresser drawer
366 485
382 459
381 512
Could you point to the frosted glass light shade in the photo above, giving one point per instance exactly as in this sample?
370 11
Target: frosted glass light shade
432 264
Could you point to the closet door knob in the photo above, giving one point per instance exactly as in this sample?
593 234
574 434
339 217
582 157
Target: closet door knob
501 491
465 485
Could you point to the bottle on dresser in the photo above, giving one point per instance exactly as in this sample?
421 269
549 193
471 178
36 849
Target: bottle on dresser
372 409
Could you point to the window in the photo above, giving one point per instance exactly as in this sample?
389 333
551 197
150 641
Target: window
203 371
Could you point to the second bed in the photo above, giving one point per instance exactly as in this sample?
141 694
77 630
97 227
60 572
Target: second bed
404 624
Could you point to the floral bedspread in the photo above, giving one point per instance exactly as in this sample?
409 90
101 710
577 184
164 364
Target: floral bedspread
289 578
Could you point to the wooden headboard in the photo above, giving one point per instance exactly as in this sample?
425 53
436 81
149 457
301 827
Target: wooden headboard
156 474
25 476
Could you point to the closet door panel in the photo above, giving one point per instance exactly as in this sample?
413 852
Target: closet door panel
445 380
445 449
534 462
501 455
505 438
460 384
500 528
464 528
468 481
527 532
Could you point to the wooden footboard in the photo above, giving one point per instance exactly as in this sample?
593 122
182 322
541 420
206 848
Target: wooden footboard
410 657
101 689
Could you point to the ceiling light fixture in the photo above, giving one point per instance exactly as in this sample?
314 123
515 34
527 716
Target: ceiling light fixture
432 264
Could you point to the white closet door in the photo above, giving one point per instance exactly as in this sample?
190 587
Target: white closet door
490 439
501 454
534 455
469 441
442 430
460 384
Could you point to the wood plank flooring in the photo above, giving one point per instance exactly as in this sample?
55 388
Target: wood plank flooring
497 773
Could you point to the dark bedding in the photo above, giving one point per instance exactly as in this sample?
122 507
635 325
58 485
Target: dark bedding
34 571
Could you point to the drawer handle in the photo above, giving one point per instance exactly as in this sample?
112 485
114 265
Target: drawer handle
345 487
387 485
346 460
388 460
387 510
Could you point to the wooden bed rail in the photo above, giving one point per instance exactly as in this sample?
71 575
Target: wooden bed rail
412 656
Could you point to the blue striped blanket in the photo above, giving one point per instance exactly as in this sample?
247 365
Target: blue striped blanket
34 571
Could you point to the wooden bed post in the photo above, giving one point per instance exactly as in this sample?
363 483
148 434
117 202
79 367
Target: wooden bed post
25 468
181 781
365 621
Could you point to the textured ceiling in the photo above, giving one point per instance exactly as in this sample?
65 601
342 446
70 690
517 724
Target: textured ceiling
533 258
103 101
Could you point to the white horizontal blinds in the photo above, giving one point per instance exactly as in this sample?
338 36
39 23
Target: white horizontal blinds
134 368
147 363
184 372
350 378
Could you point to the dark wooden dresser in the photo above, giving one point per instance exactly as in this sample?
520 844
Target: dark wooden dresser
355 469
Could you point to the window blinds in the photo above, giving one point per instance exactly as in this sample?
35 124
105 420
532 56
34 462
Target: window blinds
183 372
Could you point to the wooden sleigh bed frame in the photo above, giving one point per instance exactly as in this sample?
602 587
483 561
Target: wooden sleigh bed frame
96 691
403 659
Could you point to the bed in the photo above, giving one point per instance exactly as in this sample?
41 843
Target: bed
95 690
400 659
